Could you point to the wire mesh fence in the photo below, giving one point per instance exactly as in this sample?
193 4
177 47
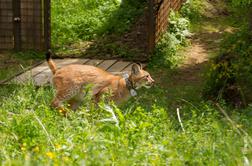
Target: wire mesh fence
25 24
6 26
22 24
159 11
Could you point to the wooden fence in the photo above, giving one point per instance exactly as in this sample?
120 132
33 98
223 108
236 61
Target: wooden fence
159 11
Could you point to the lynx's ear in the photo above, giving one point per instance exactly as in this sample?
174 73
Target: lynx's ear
140 65
136 68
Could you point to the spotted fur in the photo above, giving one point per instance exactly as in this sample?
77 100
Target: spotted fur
70 82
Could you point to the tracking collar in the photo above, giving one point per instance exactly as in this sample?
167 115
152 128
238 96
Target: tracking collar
130 85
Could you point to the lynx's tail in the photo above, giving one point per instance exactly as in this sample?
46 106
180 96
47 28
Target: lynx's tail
50 62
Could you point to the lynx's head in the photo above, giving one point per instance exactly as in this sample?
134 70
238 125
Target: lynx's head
140 78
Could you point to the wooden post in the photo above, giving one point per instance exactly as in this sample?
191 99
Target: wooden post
16 24
151 27
47 24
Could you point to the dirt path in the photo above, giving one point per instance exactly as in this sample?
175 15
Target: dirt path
187 81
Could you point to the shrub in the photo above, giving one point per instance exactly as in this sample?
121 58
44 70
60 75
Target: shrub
193 9
230 73
172 40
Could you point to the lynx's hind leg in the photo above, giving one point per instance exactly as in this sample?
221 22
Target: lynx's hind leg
65 94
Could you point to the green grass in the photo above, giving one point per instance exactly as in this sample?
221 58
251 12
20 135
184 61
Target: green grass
33 133
85 20
13 63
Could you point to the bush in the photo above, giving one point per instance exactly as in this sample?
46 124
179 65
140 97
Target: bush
172 40
193 9
231 72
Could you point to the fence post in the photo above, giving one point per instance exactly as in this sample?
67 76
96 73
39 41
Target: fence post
151 27
47 24
16 24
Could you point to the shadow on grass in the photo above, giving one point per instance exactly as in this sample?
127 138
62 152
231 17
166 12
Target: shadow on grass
7 90
125 36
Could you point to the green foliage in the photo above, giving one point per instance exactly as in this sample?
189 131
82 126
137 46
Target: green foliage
32 133
166 49
79 20
179 27
193 9
230 72
241 2
232 69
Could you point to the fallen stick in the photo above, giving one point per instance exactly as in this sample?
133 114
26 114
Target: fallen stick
180 120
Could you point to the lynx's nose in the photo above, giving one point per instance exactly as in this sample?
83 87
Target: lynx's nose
151 81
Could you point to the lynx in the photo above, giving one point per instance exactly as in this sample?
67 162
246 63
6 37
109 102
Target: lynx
71 80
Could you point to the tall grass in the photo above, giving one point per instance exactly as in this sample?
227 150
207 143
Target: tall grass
33 133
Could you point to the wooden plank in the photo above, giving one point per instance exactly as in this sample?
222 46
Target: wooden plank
41 75
94 62
44 68
30 73
45 77
6 25
23 78
128 68
106 64
118 66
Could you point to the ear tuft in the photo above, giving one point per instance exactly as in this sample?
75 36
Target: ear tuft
140 65
136 69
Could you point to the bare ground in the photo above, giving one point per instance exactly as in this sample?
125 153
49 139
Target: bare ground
187 81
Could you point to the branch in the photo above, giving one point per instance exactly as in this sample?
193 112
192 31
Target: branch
180 120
